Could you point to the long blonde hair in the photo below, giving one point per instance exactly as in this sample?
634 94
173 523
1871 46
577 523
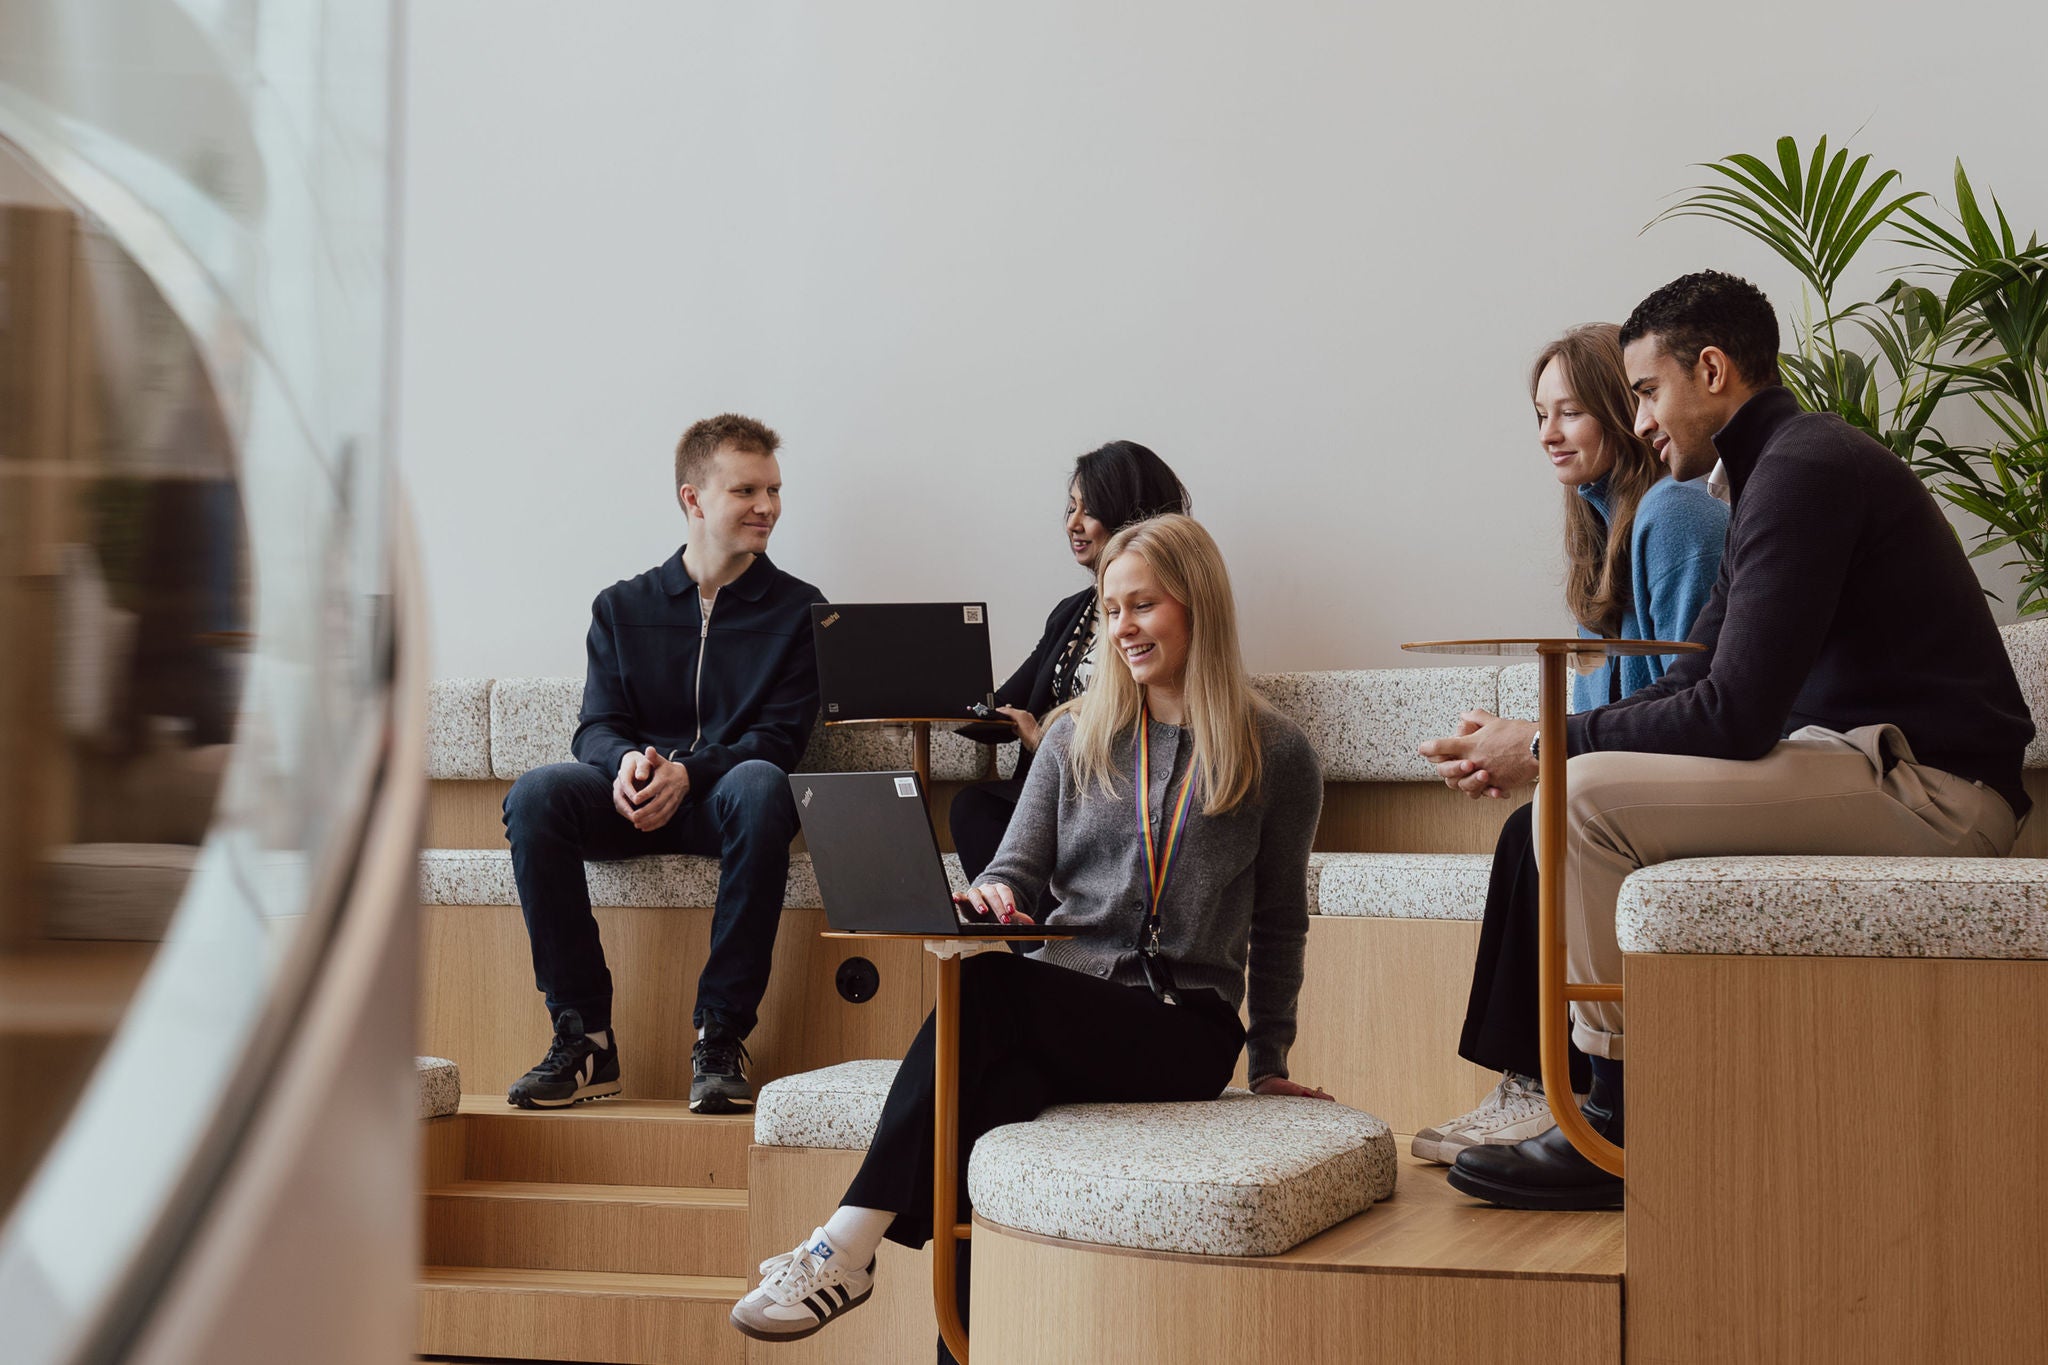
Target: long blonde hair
1222 710
1596 581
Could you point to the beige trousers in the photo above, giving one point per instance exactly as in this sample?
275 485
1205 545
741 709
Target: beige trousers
1817 792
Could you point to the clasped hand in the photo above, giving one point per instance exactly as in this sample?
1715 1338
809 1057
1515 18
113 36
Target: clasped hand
649 789
1488 756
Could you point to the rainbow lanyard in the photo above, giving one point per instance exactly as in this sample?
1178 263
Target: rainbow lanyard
1158 861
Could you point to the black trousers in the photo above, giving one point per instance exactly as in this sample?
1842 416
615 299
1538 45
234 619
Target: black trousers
1501 1018
558 816
1034 1035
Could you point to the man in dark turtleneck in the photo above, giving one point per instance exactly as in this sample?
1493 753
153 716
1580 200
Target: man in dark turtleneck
1853 697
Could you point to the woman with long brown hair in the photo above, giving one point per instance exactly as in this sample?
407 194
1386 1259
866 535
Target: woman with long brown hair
1641 554
1170 812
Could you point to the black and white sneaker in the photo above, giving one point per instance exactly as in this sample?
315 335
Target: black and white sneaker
574 1069
718 1080
801 1291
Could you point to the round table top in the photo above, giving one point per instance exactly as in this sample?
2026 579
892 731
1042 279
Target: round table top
1049 935
1553 644
997 719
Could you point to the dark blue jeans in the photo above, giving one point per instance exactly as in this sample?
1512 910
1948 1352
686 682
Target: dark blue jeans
558 816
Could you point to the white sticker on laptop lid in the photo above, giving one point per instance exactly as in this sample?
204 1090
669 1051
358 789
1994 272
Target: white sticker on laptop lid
906 786
971 615
807 798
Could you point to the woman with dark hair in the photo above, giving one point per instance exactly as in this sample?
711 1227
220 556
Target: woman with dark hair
1109 489
1642 550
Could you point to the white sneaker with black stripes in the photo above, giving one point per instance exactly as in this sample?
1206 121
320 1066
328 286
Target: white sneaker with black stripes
801 1291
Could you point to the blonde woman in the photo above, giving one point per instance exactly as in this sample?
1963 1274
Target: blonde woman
1171 914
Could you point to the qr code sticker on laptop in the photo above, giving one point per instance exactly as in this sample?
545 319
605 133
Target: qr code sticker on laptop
971 615
906 786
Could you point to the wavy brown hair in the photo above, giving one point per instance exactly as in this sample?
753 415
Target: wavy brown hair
1596 580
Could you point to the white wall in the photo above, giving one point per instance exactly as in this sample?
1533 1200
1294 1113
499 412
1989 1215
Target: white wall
1304 251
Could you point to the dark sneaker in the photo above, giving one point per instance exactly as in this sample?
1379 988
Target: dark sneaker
574 1069
718 1083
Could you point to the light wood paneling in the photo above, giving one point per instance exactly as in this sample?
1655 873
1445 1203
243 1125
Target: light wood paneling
481 1010
1836 1159
627 1142
639 1229
579 1316
790 1191
466 813
59 1003
442 1146
1353 1294
1406 817
1428 1227
469 813
1382 1003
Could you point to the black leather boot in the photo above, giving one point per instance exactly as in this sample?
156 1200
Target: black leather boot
1547 1172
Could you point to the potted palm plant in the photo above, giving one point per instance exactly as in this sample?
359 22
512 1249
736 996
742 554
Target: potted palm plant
1968 323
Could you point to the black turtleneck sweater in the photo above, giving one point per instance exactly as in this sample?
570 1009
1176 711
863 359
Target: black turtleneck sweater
1843 600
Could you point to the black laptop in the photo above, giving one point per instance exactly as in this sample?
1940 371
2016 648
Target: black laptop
876 861
902 660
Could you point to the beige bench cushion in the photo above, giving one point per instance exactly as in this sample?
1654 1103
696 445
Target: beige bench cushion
836 1106
1243 1175
440 1086
1365 723
1838 907
532 721
459 729
1402 885
483 876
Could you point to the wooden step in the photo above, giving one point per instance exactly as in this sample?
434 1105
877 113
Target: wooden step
606 1142
638 1229
572 1315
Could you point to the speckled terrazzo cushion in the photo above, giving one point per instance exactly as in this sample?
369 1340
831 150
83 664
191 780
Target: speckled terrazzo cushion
1403 885
483 876
440 1086
837 1106
532 722
1243 1175
459 728
1520 691
1839 907
2026 643
1365 723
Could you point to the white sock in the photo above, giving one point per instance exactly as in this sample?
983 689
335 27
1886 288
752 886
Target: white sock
602 1037
857 1232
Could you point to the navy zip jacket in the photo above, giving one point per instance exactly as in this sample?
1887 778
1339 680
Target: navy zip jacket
1843 600
746 687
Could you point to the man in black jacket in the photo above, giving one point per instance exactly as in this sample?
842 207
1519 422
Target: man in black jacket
699 697
1853 697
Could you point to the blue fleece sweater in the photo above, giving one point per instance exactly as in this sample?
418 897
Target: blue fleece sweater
1674 553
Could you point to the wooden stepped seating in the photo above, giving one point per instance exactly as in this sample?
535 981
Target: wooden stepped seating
1428 1275
1388 963
1835 1109
480 1008
616 1232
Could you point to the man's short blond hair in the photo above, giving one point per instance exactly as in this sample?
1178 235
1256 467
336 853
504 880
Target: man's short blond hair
706 438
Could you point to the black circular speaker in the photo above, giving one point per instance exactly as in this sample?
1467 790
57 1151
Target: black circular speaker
858 980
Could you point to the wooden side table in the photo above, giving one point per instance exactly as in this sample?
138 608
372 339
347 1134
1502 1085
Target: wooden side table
1554 992
947 1229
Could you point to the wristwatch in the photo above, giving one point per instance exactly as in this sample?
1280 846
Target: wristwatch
1536 746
